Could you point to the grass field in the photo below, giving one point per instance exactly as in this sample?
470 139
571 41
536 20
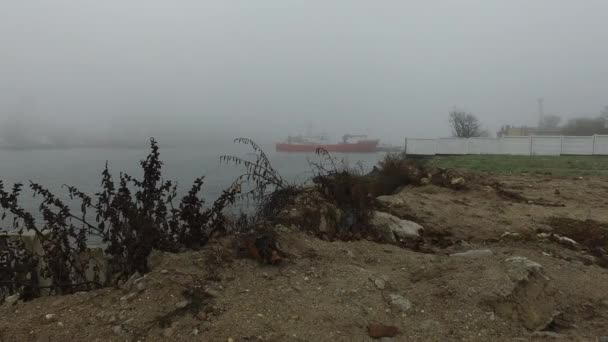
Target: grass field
554 165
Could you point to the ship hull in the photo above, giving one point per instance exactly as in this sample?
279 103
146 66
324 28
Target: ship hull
365 146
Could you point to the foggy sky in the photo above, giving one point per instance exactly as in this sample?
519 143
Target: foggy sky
194 69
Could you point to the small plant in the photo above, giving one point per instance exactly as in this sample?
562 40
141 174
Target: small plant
268 189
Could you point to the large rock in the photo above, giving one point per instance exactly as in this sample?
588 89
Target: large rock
527 296
393 229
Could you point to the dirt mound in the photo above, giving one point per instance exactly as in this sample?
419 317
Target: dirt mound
326 291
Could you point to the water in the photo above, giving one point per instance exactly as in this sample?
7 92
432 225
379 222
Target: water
82 167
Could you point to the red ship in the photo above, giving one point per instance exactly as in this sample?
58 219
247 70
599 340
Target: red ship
312 143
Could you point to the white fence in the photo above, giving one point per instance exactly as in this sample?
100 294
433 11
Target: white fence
530 145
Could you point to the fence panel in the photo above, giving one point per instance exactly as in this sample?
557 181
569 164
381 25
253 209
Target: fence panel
515 145
601 145
452 146
546 146
484 146
421 146
577 145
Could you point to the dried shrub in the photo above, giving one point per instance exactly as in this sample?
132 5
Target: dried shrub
131 218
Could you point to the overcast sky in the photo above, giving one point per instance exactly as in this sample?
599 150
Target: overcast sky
267 68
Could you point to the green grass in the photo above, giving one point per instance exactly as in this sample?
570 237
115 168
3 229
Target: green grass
553 165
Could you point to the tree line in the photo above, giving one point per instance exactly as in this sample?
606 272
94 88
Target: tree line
467 125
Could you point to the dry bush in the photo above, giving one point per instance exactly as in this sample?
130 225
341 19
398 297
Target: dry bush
132 218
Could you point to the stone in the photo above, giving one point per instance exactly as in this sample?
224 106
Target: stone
155 259
128 297
474 254
168 332
400 302
182 304
392 228
195 332
117 329
380 284
141 286
425 181
11 300
603 339
526 296
458 182
129 283
164 271
50 317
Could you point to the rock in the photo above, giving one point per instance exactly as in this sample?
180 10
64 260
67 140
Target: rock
425 181
474 254
526 295
129 283
195 332
182 304
400 302
118 330
510 235
164 271
378 330
603 339
392 228
458 182
230 339
380 284
11 300
50 317
168 332
155 259
141 286
128 297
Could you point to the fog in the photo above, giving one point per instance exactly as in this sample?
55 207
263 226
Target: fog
197 70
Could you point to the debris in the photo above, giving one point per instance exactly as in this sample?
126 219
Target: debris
474 254
129 283
128 297
182 304
11 300
378 330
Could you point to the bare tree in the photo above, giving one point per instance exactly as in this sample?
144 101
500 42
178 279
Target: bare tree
465 125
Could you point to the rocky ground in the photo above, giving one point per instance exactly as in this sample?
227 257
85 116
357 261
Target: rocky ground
501 259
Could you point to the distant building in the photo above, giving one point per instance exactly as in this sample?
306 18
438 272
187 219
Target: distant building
524 131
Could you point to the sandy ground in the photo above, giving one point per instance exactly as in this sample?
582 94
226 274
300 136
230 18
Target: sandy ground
513 288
